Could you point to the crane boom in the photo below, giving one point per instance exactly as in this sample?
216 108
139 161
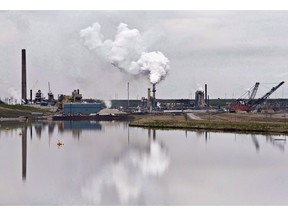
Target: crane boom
254 91
253 94
261 100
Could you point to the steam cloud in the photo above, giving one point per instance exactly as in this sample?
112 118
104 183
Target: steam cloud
156 64
14 93
199 87
108 104
127 52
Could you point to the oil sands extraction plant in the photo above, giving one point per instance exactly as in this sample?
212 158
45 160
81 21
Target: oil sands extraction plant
76 105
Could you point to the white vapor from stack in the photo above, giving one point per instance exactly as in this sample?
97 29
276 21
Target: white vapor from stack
15 94
108 104
156 64
127 52
199 88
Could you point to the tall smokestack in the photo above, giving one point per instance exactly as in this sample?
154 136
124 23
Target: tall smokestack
31 96
149 94
206 101
154 95
24 83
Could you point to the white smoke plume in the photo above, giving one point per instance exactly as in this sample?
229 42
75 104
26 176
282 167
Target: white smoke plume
199 87
127 52
156 64
92 36
15 94
126 49
93 39
108 103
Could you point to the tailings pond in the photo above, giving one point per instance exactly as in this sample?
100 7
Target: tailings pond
110 163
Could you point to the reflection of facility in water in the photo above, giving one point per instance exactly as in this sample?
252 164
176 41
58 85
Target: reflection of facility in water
75 126
38 129
81 125
24 153
51 127
78 126
128 174
153 134
277 142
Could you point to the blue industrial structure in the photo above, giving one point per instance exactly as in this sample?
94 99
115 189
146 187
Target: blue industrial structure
81 108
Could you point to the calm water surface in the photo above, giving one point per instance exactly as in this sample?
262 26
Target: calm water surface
108 163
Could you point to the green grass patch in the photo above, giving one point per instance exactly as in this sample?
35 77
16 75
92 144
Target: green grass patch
9 111
214 125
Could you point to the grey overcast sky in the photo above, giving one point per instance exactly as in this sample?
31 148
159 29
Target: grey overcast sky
229 50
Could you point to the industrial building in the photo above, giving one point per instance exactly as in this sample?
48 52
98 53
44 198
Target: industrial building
75 97
199 99
81 108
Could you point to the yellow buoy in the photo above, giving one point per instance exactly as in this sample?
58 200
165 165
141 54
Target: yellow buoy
60 143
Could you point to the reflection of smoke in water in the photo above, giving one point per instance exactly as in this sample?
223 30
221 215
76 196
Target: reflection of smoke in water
128 174
127 52
155 163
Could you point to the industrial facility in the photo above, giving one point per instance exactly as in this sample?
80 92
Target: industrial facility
74 104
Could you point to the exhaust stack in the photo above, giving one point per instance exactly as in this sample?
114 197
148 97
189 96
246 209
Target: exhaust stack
149 94
24 82
206 99
31 96
154 95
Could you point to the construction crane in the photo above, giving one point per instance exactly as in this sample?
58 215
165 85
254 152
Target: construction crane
243 103
251 104
254 91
